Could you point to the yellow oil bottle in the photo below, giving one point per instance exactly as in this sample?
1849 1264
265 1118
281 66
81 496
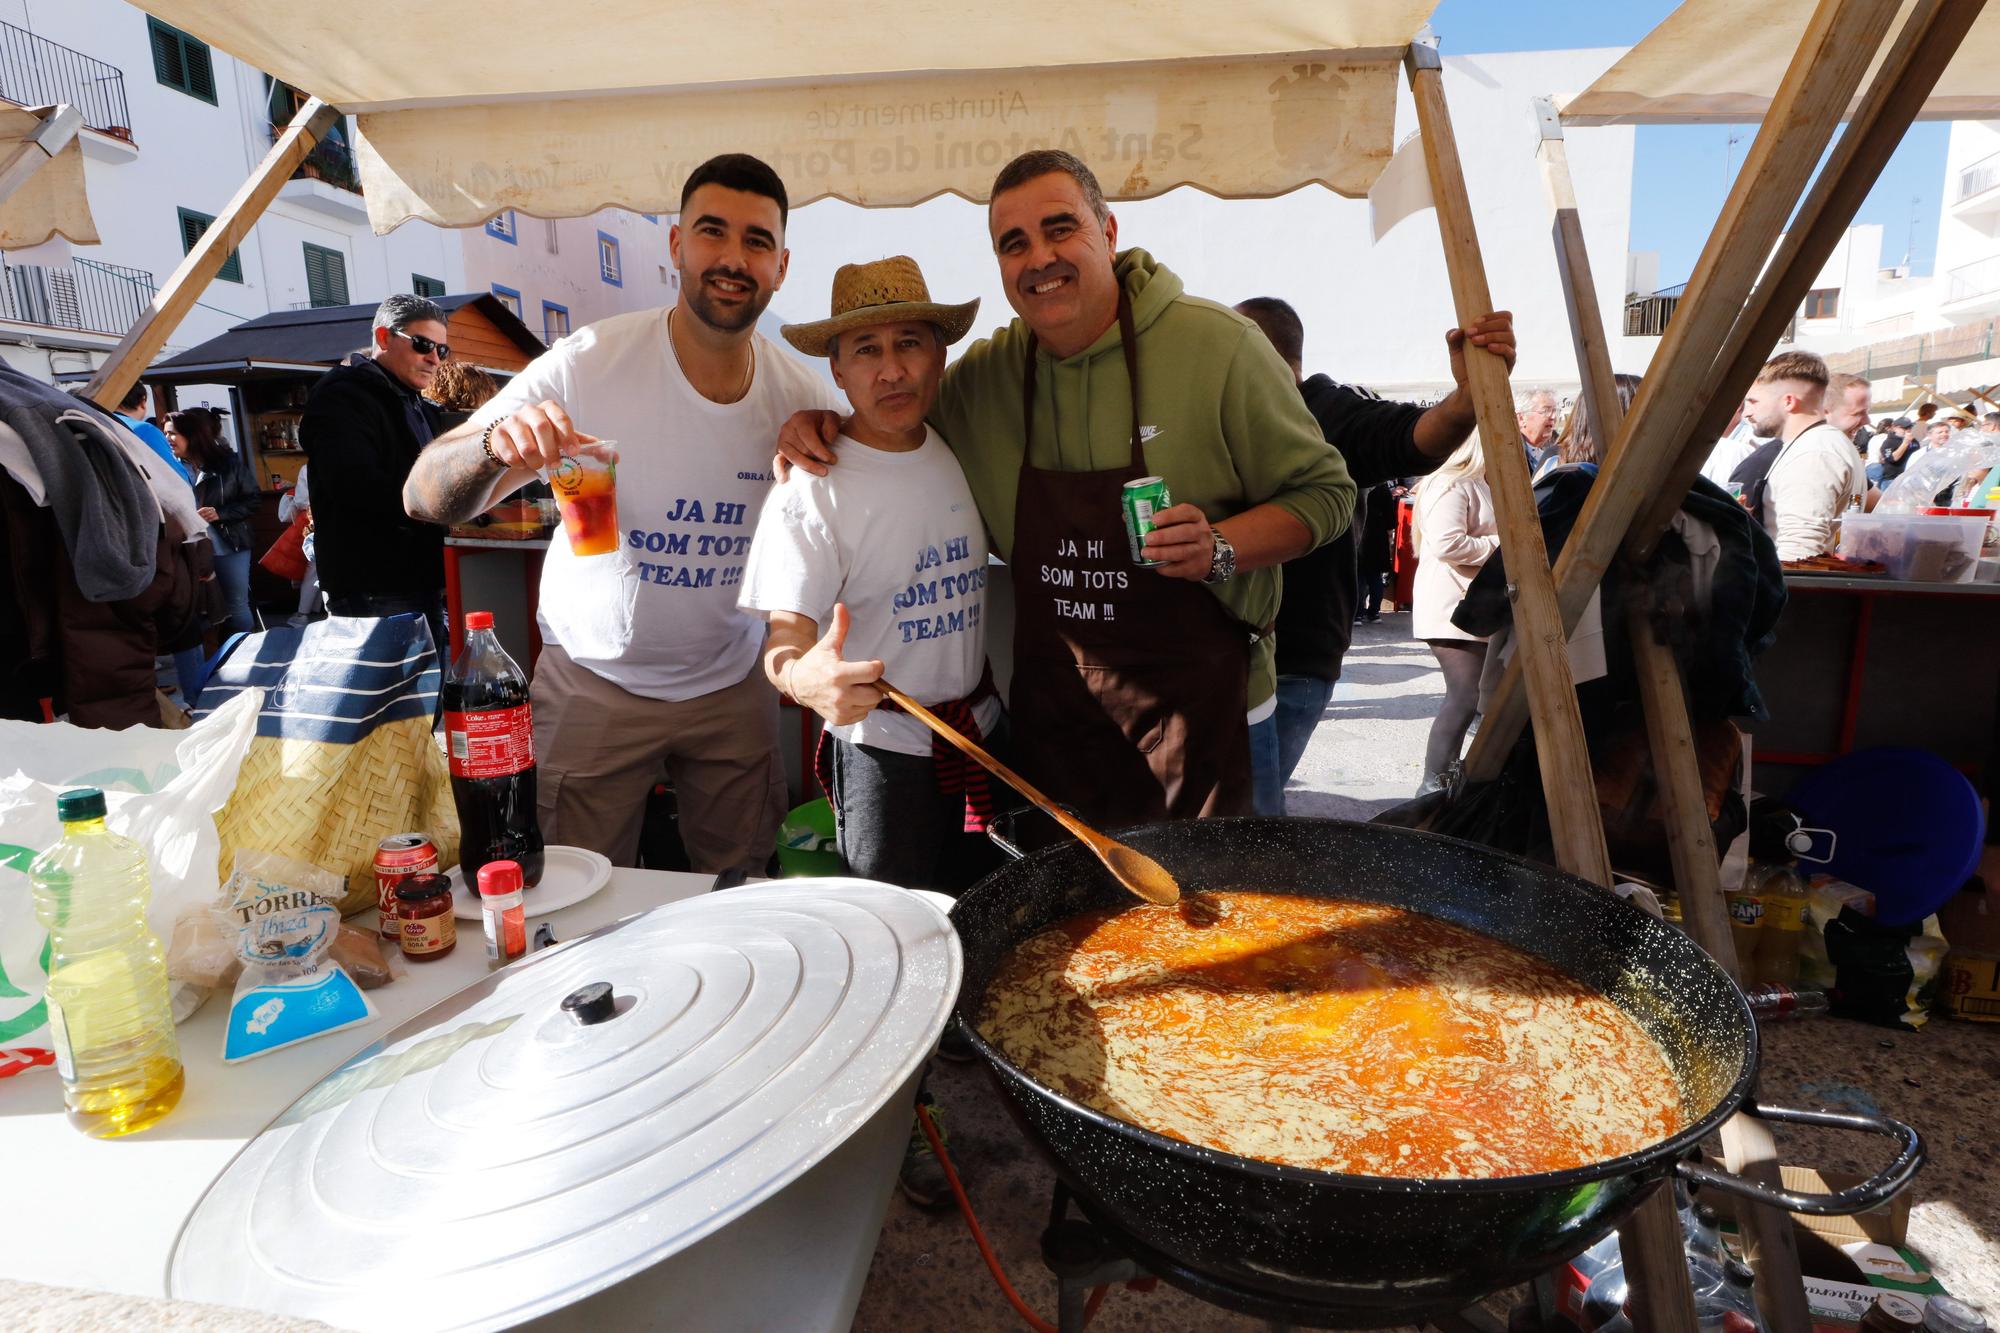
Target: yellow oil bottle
110 1015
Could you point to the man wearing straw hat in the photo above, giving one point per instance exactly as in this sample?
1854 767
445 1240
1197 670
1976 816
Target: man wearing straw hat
878 570
1139 692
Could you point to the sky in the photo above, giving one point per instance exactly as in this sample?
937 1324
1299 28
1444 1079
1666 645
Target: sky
1681 173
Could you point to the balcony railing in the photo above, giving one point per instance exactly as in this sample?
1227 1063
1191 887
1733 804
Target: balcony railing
35 71
85 295
330 160
1647 317
1978 178
1972 280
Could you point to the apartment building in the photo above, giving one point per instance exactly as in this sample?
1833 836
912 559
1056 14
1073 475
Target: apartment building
560 274
172 128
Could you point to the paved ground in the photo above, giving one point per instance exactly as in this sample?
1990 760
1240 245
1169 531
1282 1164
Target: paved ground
1366 756
1369 750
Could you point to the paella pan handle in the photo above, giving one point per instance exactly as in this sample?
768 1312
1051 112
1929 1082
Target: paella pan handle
1000 828
1878 1189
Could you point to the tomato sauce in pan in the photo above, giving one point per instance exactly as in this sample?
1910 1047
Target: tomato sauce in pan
1343 1036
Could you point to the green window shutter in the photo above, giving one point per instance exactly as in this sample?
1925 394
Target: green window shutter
326 276
193 224
200 68
427 287
181 62
168 67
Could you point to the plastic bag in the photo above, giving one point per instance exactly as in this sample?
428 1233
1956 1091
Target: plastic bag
161 789
1888 975
1936 468
284 915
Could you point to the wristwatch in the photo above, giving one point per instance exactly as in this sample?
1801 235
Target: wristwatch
1223 567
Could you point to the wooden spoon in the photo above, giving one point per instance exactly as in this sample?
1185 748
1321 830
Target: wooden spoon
1134 869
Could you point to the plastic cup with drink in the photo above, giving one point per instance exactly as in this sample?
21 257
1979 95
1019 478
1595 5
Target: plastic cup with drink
586 487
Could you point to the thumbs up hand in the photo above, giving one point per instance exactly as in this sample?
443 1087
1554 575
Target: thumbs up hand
820 679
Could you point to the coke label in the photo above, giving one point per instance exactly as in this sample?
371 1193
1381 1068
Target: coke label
494 744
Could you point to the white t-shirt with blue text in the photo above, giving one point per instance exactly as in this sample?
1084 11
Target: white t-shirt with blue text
659 617
897 537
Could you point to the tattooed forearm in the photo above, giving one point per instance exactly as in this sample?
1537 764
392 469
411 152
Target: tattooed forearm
453 480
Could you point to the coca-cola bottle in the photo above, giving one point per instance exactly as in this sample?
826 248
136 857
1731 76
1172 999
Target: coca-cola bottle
491 739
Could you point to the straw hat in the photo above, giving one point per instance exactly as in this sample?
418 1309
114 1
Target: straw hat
888 291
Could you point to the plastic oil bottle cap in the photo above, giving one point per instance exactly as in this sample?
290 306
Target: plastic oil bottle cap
479 620
83 803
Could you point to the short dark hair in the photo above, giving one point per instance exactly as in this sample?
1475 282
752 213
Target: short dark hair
1039 162
1993 417
1281 324
1927 411
134 397
738 171
402 310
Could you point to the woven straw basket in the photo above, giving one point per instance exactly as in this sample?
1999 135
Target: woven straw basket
332 804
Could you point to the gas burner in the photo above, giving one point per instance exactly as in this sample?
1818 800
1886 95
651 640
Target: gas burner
1086 1252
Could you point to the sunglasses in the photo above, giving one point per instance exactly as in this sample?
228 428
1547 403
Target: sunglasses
423 346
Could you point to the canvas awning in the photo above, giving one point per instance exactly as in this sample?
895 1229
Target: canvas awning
1719 61
560 109
50 202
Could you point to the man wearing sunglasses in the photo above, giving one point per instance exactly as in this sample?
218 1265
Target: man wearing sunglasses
365 422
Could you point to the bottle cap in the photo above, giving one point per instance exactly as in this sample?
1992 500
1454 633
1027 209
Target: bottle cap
497 877
479 620
1706 1215
74 807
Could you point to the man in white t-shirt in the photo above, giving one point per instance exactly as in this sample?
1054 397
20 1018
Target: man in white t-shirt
878 571
646 659
1817 475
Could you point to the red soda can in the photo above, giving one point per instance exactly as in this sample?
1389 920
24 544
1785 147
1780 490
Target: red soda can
400 856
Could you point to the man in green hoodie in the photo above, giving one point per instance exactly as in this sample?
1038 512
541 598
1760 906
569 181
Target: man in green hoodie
1139 692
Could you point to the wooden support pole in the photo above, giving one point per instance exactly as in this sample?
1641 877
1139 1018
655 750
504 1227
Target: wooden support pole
1839 42
143 341
1586 320
1565 757
1746 1141
59 126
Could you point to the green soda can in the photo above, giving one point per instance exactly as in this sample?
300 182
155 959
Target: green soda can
1142 499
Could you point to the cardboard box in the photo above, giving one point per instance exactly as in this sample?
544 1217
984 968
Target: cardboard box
1874 1241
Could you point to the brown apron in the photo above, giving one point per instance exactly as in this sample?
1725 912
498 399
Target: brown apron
1128 690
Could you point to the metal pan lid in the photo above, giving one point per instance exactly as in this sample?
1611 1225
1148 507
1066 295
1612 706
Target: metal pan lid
536 1137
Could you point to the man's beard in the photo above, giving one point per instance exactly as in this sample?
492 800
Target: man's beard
717 318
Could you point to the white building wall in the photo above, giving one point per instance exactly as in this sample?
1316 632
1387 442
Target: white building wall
187 153
1968 245
1373 313
563 269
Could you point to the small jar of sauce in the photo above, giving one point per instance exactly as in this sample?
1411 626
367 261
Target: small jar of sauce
423 917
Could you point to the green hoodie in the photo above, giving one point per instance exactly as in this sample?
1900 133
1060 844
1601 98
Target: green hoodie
1233 431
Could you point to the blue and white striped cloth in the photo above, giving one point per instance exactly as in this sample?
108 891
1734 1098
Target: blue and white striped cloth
334 680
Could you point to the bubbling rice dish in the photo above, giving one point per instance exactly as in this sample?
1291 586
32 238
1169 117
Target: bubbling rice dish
1350 1037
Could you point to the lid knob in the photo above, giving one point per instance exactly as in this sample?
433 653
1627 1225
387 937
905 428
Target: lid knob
591 1004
